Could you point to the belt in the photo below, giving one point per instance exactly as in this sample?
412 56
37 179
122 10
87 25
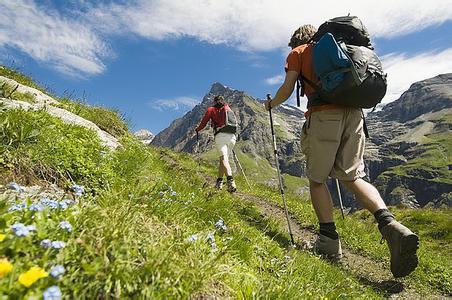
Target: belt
313 109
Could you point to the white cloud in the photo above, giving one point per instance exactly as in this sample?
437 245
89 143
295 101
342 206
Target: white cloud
278 79
41 32
261 25
176 104
403 70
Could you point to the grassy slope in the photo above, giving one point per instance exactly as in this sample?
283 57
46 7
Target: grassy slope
130 229
435 158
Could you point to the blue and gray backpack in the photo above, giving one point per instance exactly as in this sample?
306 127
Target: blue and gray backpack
349 70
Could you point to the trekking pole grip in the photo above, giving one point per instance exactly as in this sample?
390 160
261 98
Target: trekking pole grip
271 117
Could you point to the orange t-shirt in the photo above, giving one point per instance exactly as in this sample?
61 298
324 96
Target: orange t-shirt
300 61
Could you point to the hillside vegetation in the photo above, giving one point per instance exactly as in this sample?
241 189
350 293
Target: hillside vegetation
148 225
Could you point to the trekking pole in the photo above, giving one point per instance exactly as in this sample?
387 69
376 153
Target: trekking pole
340 198
275 150
241 169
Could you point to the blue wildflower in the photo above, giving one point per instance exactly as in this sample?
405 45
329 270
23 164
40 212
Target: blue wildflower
46 243
78 190
57 271
36 207
161 194
193 238
52 204
21 230
15 186
52 293
17 207
66 226
173 193
58 245
219 225
64 204
211 239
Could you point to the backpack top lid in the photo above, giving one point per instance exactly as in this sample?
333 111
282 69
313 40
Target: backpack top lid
348 29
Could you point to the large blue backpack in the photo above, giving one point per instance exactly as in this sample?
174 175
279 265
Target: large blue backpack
349 70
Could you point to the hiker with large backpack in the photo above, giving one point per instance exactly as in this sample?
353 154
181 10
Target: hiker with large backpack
224 124
340 74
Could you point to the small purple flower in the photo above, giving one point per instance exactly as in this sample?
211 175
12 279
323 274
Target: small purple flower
52 293
193 238
173 193
17 207
15 186
219 225
36 207
46 243
78 190
57 271
65 225
58 244
21 230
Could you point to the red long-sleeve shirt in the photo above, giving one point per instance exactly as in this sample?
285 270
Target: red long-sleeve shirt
216 114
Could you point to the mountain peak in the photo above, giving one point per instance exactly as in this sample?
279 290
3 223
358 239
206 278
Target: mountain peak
218 88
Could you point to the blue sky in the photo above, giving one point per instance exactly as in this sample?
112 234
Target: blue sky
154 60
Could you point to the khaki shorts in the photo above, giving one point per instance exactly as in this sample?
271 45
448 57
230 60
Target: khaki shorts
333 142
224 142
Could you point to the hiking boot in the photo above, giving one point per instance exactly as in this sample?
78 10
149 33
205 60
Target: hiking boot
403 244
231 186
328 247
219 184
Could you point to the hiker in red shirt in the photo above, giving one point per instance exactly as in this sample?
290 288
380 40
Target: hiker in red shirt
333 144
225 138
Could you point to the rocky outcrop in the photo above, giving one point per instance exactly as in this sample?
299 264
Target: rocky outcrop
42 101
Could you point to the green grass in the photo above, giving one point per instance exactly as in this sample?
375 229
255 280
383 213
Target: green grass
38 147
130 235
107 119
19 77
9 90
131 228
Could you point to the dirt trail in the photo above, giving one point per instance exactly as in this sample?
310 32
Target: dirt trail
371 273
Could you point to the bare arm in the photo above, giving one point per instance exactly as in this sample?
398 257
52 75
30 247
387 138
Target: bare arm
285 90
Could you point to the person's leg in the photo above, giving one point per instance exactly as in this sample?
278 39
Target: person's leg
227 166
328 242
402 242
321 200
366 193
221 172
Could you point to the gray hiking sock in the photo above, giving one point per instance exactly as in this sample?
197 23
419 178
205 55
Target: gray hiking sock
329 230
383 217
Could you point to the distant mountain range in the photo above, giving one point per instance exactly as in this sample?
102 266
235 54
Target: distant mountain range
407 155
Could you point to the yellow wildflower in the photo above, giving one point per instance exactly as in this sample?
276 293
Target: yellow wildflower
2 237
5 267
32 275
